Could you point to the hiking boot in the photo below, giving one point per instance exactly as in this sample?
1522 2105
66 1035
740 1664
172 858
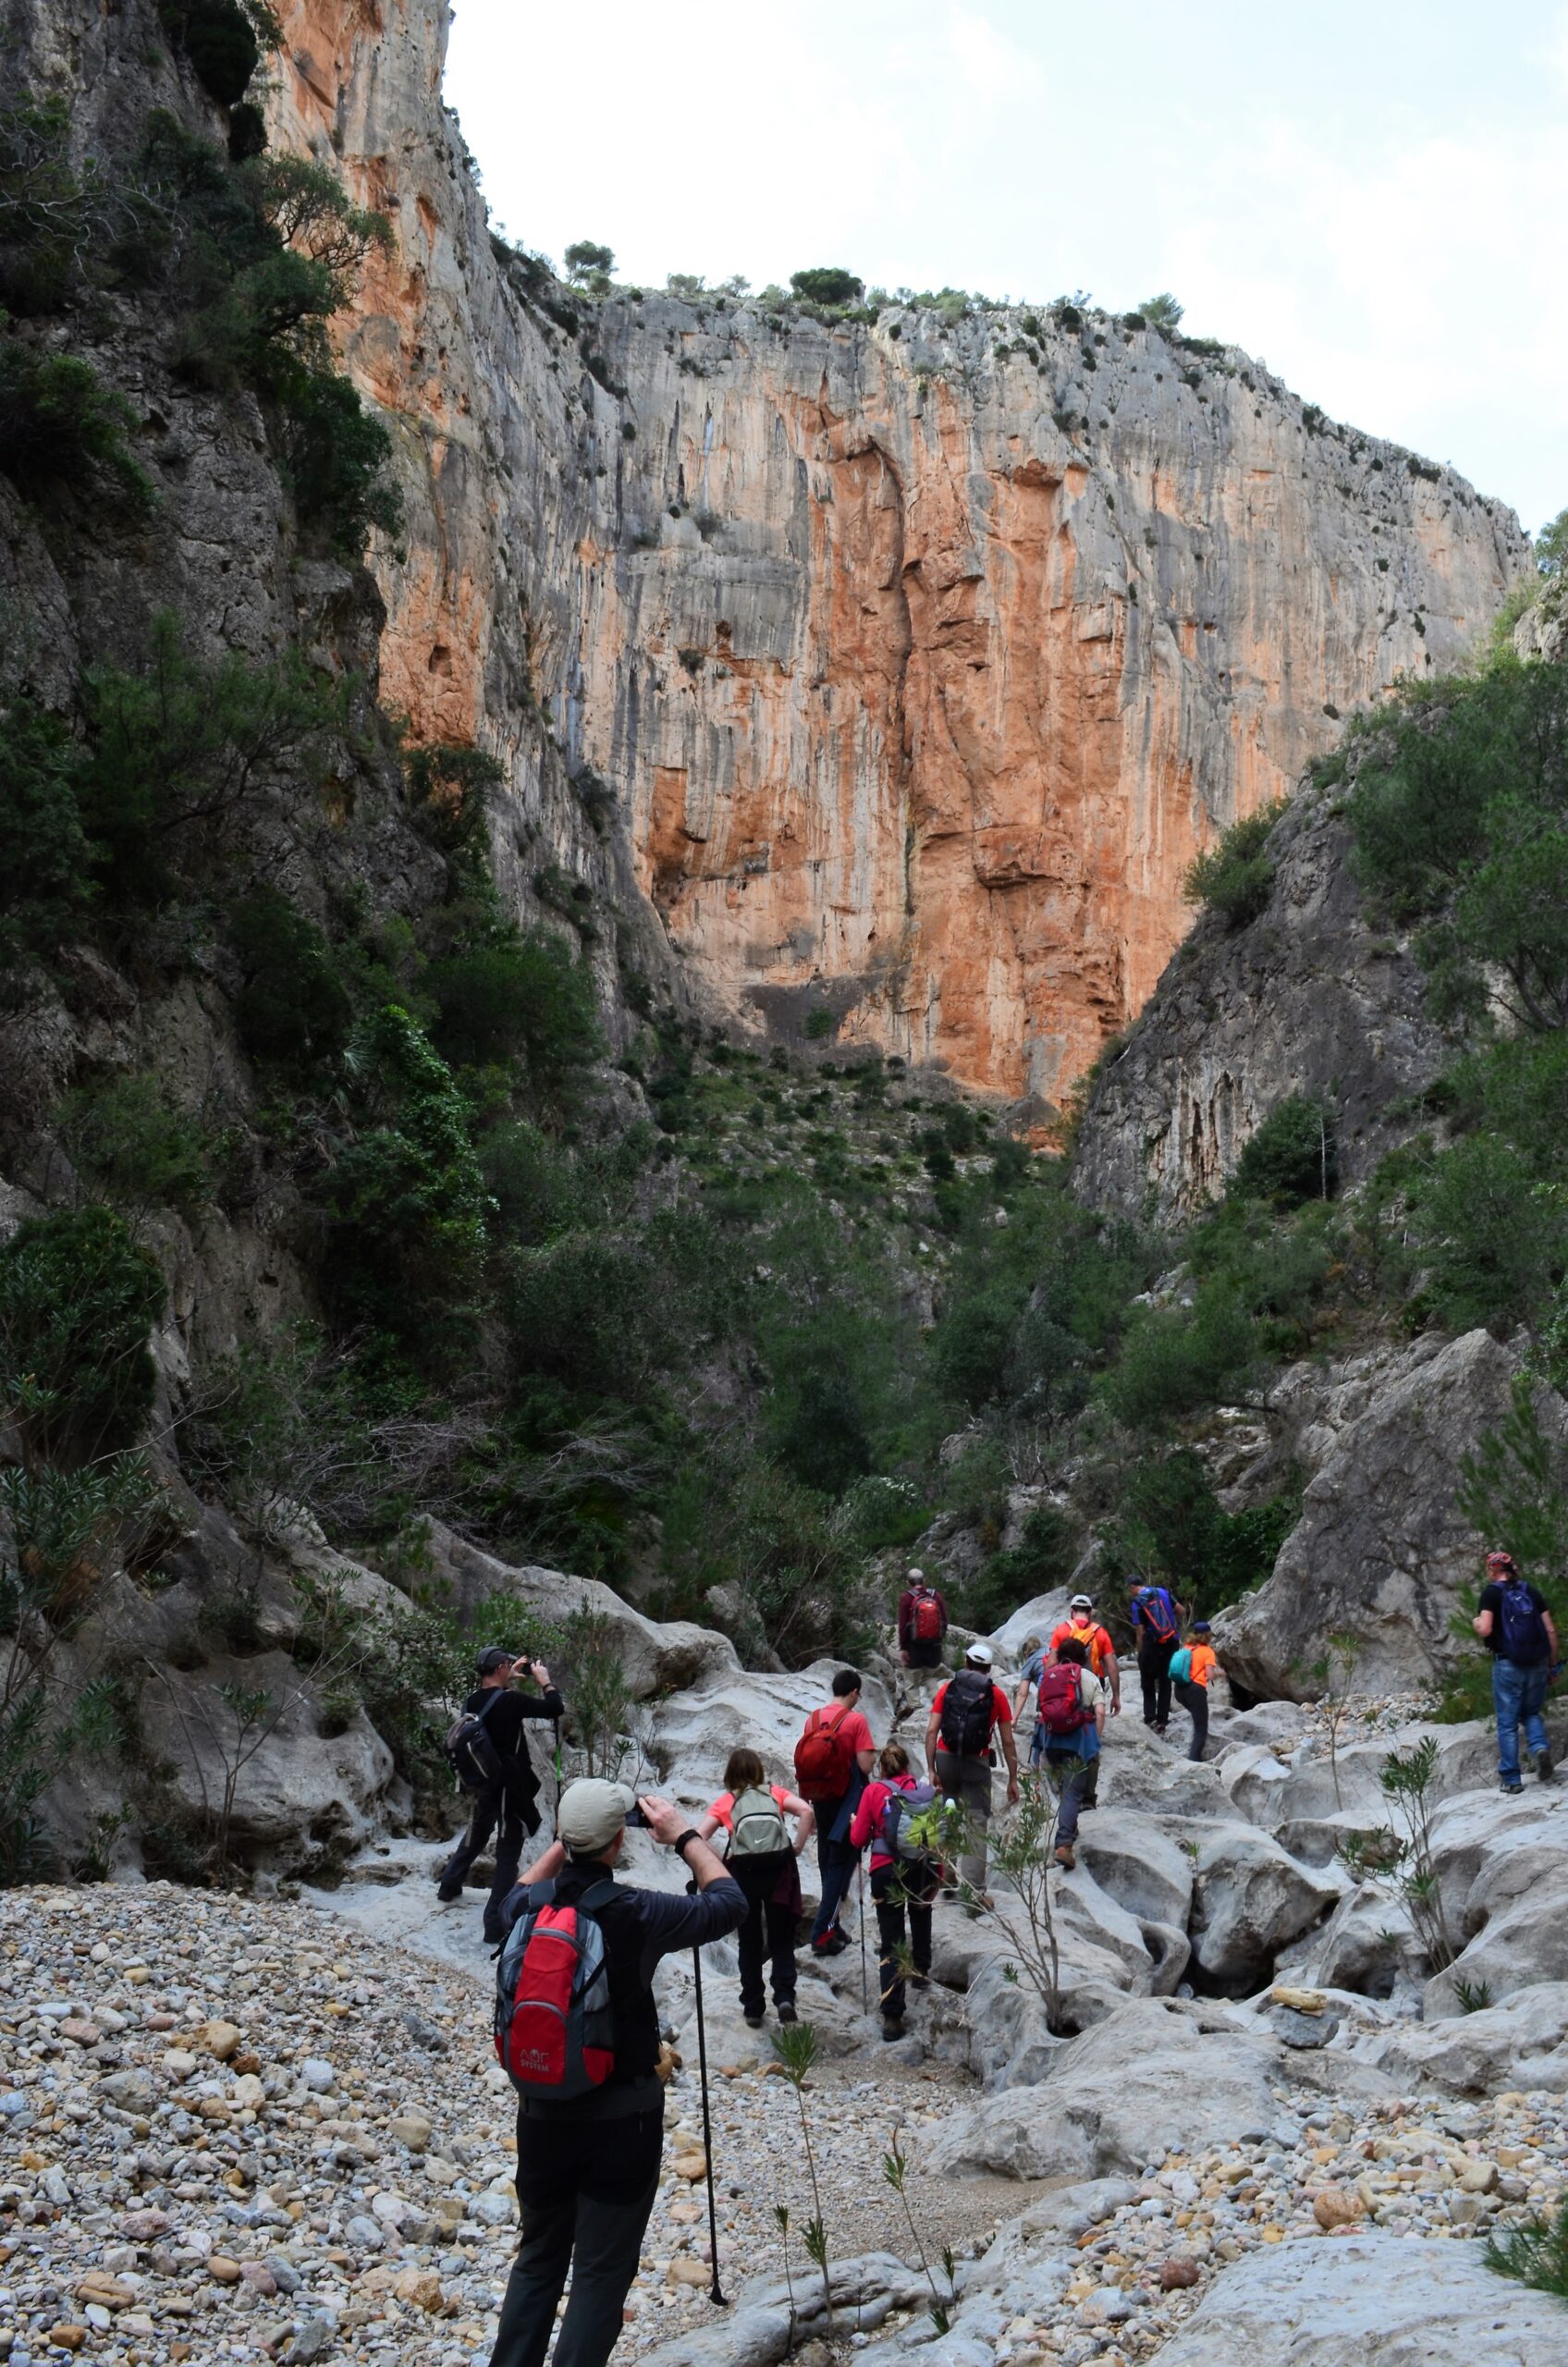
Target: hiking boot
1543 1765
1159 1725
920 1980
788 2014
1511 1790
833 1945
892 2031
1084 1806
1065 1855
755 2021
448 1892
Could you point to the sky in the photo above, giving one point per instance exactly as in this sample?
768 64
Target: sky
1372 198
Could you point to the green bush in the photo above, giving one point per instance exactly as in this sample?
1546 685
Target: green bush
45 883
335 461
220 39
517 997
1292 1156
1493 1239
60 426
406 1196
78 1300
130 1139
1177 1361
269 249
1422 802
1044 1557
1234 877
1171 1522
292 1006
182 746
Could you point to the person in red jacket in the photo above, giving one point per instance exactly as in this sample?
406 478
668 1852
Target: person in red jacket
923 1623
899 1886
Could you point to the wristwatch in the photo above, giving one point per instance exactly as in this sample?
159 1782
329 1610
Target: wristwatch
690 1833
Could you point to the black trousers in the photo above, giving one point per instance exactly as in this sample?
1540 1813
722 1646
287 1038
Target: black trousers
508 1810
837 1862
1154 1668
767 1937
900 1892
585 2192
924 1655
1195 1701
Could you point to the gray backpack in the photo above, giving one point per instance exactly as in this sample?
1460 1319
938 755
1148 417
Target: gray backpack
757 1825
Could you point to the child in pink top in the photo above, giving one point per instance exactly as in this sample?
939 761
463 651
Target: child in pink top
772 1885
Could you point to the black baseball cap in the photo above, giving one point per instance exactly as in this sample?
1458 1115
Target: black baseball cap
493 1657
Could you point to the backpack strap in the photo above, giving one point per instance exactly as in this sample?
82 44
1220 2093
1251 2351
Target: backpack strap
597 1894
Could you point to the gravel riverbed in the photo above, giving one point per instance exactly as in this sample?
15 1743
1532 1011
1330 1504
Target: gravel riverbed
236 2126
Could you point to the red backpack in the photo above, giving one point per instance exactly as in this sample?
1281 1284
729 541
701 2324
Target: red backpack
554 2035
925 1620
1062 1708
823 1760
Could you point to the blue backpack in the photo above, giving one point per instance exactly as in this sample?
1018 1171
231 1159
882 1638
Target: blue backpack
1521 1627
1158 1614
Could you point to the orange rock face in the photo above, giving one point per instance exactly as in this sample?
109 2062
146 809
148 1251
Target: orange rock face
919 660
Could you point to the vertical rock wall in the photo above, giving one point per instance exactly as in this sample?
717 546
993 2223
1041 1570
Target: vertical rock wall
900 670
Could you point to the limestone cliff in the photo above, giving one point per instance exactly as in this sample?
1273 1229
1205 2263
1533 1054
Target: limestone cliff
919 661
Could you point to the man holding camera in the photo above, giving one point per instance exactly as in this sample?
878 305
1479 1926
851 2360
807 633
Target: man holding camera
505 1807
588 2164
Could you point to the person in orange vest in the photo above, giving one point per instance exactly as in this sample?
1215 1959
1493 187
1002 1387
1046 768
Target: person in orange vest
1191 1669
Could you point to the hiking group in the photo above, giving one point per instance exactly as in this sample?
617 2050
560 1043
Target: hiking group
576 2026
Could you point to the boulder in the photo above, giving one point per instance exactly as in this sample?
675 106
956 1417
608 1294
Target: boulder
1143 1869
691 1733
657 1656
1521 2043
1035 1617
1365 1947
1252 1899
1379 2298
1109 2103
1381 1550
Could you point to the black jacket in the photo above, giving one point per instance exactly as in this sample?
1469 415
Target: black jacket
505 1725
640 1926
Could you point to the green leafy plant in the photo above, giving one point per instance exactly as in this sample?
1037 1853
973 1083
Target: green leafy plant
1534 2253
895 2169
183 747
61 426
1233 877
794 2048
1294 1154
292 1006
78 1300
1474 1996
47 888
130 1139
1407 1777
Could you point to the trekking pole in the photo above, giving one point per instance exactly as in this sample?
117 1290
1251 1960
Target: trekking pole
860 1918
715 2296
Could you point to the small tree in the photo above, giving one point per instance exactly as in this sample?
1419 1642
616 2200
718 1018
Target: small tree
1022 1853
589 265
794 2045
1551 545
1407 1782
828 285
1162 312
1334 1672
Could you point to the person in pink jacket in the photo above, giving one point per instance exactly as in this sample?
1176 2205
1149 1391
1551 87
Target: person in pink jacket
901 1887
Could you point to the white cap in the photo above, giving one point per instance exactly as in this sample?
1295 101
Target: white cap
978 1656
915 1577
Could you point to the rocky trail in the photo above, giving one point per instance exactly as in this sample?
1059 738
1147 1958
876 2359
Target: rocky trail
273 2126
